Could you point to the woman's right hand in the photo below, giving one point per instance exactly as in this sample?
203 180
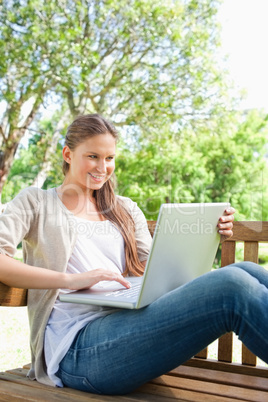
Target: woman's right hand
86 280
17 274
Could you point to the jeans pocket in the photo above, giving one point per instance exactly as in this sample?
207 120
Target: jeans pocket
76 382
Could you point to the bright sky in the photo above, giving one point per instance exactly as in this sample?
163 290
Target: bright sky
244 39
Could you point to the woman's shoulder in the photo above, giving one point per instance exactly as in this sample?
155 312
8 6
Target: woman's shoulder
33 196
126 201
131 206
33 192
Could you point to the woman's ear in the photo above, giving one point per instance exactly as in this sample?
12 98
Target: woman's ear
66 153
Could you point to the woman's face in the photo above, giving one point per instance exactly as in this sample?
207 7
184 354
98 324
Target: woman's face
92 162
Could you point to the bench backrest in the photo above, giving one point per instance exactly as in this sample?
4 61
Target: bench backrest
250 233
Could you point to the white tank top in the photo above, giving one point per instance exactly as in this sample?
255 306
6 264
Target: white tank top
98 245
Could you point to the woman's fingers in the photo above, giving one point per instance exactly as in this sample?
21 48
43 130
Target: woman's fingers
88 279
225 224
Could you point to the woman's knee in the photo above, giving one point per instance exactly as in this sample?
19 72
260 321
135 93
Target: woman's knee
254 270
235 279
243 280
247 266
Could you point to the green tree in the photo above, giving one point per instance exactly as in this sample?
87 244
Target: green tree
224 164
26 168
144 63
151 67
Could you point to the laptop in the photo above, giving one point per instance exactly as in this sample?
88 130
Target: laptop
184 246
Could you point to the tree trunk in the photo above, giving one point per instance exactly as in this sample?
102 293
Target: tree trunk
51 149
11 137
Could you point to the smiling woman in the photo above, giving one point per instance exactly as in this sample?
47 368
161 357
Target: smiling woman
77 345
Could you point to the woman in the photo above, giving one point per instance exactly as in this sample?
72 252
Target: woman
69 234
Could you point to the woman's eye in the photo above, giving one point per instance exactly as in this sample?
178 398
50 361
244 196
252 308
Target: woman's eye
91 156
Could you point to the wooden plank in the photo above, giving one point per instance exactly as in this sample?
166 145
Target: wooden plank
12 297
225 348
251 251
22 392
16 380
203 354
242 231
212 389
250 231
227 253
221 377
151 226
248 357
157 393
225 343
180 394
211 364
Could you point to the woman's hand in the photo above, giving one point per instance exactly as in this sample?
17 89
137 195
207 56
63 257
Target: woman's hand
19 275
87 279
225 224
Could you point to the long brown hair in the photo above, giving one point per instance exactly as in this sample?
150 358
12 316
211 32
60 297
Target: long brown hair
88 126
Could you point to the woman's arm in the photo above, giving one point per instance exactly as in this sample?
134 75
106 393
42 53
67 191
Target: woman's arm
17 274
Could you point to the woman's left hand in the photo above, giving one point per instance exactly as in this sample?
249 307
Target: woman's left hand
225 224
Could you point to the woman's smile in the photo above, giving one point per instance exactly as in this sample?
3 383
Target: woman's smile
97 177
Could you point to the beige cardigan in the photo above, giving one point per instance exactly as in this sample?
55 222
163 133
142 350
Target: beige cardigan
40 220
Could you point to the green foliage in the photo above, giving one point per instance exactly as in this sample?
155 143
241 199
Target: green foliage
151 66
227 164
131 60
29 162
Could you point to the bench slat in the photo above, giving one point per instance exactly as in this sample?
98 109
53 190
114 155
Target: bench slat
12 297
248 357
225 348
203 354
16 386
166 392
225 344
251 251
250 231
210 389
237 368
227 253
221 377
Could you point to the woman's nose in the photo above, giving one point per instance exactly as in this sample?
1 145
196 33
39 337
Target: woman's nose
101 166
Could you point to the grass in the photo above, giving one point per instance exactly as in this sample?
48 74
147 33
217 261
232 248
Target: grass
14 337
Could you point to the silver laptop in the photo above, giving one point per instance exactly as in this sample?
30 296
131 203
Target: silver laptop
184 246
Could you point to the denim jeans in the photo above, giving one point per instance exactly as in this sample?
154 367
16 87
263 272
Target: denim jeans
117 353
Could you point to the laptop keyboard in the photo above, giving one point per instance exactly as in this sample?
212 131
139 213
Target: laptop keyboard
132 292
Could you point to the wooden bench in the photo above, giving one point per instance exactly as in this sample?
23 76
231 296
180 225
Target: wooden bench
199 379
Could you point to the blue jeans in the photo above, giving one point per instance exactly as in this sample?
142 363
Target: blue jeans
117 353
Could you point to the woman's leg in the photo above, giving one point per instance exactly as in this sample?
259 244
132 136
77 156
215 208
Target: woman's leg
118 353
254 270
